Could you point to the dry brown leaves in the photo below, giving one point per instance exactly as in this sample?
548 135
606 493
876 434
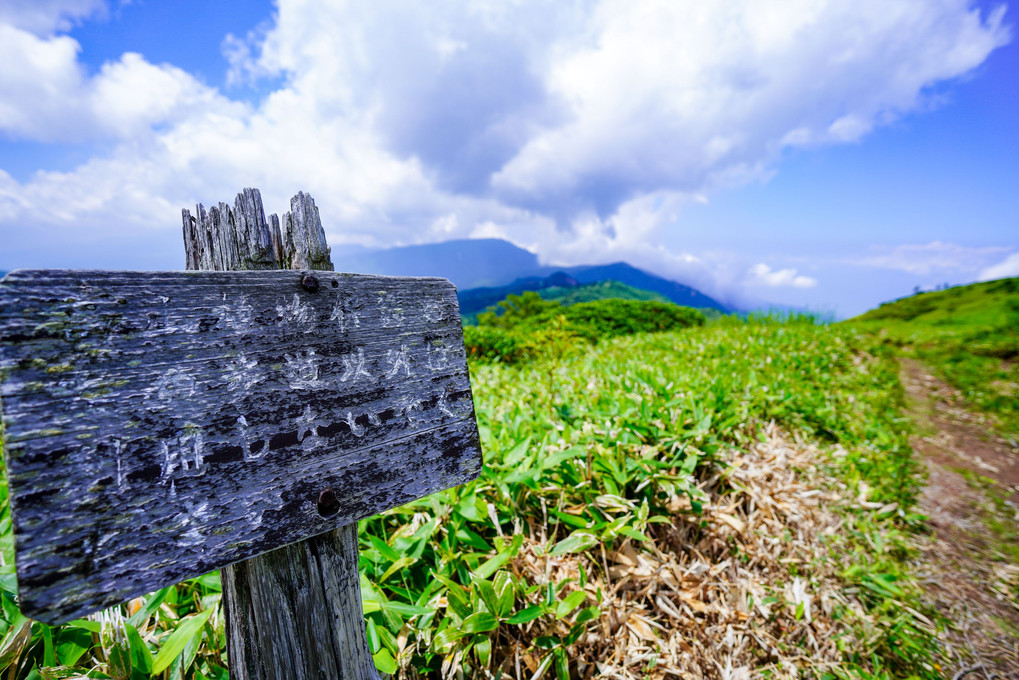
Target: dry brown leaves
748 586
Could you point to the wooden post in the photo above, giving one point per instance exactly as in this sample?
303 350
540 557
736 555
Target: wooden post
159 425
294 613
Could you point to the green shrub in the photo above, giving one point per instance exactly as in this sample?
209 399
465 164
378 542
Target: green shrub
487 343
525 326
519 310
611 318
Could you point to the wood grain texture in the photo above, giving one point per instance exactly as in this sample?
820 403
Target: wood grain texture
161 425
271 598
225 239
296 612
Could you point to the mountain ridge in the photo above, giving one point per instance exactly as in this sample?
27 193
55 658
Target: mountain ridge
496 264
468 263
475 300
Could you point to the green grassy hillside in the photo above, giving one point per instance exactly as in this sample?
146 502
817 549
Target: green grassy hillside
602 290
969 335
991 304
588 292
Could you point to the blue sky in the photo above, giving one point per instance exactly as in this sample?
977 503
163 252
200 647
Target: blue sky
806 152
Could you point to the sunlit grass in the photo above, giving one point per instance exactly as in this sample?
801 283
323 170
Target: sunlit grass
584 447
969 335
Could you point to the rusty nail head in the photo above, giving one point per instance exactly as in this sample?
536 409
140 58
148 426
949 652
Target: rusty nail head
309 282
328 504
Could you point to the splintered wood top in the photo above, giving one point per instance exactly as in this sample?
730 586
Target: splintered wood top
161 425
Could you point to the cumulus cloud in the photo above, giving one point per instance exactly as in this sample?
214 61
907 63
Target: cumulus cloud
43 17
583 106
934 257
661 94
579 130
762 275
48 97
1004 269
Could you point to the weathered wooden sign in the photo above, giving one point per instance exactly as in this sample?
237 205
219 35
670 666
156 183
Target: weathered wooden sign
161 425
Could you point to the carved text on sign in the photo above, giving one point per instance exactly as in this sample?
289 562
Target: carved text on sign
183 421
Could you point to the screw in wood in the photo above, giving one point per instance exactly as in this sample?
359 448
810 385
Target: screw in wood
310 283
328 504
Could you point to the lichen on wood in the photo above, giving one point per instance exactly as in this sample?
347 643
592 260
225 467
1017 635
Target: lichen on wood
160 425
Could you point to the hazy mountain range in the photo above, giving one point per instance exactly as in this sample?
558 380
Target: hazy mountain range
487 270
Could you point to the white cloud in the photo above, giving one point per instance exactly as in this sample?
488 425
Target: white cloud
660 94
579 130
40 78
489 230
934 257
48 97
1004 269
762 275
43 17
631 234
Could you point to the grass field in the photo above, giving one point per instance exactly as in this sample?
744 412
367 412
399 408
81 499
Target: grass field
969 335
623 450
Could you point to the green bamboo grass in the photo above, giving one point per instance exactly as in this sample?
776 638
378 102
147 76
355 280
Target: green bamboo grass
575 423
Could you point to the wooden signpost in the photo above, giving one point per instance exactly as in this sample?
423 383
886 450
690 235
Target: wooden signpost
161 425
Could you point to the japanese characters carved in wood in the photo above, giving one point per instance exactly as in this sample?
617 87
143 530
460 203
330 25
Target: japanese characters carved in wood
160 425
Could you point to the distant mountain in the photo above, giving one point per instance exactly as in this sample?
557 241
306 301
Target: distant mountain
638 278
502 268
476 300
468 263
585 281
560 287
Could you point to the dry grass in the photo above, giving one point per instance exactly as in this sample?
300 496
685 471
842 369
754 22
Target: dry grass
748 586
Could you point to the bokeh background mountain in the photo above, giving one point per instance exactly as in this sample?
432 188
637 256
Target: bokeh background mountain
487 270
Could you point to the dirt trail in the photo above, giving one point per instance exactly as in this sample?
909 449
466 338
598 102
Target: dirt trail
970 564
